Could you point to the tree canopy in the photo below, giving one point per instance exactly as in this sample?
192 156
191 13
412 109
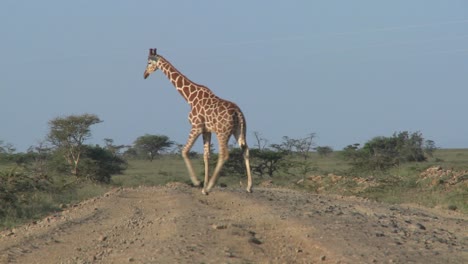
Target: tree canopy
152 145
68 134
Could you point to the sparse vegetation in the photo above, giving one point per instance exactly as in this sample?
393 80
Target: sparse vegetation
41 181
324 151
382 153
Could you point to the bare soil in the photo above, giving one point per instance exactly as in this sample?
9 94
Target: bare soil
177 224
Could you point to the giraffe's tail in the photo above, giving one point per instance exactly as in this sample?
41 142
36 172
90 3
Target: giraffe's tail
241 139
241 130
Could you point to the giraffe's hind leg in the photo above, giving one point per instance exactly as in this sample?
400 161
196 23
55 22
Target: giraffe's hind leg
206 157
245 153
222 158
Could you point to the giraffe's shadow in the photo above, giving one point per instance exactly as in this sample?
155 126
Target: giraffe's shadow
199 186
202 183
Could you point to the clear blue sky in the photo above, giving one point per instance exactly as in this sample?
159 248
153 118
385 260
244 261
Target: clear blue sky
346 70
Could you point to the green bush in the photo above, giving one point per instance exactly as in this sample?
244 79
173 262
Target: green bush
14 187
324 151
382 153
96 164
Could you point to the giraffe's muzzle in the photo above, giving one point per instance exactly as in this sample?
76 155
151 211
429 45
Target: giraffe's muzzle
146 74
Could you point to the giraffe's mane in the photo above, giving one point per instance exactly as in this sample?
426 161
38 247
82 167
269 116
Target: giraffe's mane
183 75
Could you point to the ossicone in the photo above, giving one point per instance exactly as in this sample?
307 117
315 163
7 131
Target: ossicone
152 52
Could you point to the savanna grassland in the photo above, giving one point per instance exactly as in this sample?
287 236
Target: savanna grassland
414 213
405 184
446 188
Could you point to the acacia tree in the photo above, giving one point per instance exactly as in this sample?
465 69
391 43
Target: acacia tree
324 151
69 133
301 146
261 142
429 147
265 160
6 148
116 150
152 145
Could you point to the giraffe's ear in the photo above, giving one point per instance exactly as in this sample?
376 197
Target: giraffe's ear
152 52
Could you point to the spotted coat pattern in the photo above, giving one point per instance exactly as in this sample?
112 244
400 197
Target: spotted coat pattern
208 114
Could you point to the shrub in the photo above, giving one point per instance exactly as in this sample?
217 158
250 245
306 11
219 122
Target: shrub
382 153
14 186
324 151
262 161
96 164
267 161
99 164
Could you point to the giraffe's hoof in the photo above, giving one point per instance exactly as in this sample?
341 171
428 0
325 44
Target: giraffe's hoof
196 184
249 190
204 191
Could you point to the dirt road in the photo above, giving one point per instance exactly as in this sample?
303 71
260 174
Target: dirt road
177 224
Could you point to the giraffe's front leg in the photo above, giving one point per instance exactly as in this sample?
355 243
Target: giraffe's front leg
194 134
206 158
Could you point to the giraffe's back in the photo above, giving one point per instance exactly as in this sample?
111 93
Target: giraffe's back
218 116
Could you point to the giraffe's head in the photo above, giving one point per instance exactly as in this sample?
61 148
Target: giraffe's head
152 63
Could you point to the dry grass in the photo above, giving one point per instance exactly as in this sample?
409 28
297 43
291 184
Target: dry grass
400 185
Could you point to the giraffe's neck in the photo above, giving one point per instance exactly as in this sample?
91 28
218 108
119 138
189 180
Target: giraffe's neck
188 89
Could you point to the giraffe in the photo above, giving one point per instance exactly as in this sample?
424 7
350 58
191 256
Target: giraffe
208 114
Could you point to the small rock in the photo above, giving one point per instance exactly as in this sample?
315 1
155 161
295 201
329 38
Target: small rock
255 240
218 226
323 258
420 226
103 238
379 234
417 226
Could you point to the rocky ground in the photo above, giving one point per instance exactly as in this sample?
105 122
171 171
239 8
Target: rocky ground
177 224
